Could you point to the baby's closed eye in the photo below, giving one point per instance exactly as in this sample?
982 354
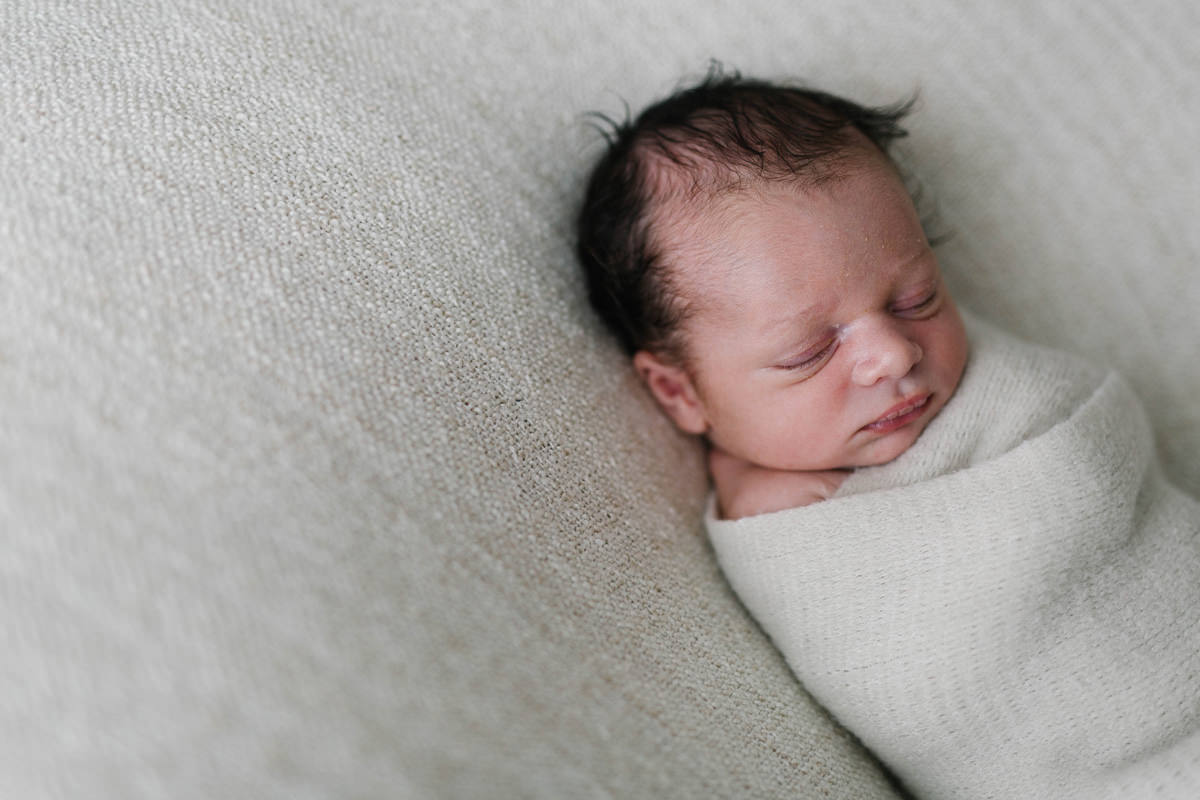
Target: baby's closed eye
810 360
918 309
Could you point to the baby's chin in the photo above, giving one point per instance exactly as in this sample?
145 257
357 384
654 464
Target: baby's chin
875 453
878 450
890 447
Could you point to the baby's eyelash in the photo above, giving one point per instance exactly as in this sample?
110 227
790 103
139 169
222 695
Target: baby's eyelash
812 360
918 306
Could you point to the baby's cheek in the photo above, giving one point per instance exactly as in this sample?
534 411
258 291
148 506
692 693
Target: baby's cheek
955 338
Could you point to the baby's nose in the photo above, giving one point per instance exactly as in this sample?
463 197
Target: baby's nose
884 351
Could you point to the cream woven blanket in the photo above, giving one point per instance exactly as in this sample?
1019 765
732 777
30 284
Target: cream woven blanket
1009 609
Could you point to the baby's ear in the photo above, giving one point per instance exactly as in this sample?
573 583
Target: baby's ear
674 390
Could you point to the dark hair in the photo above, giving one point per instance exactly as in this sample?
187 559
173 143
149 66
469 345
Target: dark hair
719 133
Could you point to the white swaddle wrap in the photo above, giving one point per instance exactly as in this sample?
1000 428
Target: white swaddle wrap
1009 609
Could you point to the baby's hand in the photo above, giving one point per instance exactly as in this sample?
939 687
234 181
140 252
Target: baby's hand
745 489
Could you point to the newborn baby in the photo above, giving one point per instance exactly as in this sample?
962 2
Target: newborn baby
758 253
977 567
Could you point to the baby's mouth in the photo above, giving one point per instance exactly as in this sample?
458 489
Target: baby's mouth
900 415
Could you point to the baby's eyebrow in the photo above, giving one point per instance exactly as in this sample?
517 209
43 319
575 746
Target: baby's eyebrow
792 328
795 315
786 322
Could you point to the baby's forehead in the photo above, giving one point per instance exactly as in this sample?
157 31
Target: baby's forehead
792 243
688 203
690 231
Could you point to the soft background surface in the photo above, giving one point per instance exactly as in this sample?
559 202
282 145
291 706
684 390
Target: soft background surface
318 479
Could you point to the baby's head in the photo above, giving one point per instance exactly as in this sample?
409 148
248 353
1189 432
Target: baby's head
756 251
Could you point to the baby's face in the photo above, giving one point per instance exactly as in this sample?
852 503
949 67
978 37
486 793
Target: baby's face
822 333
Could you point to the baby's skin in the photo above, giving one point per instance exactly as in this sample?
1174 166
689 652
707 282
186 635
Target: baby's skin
744 489
821 335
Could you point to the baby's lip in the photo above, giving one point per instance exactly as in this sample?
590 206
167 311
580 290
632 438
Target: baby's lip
905 411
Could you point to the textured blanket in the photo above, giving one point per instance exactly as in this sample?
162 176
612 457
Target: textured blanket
1009 609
